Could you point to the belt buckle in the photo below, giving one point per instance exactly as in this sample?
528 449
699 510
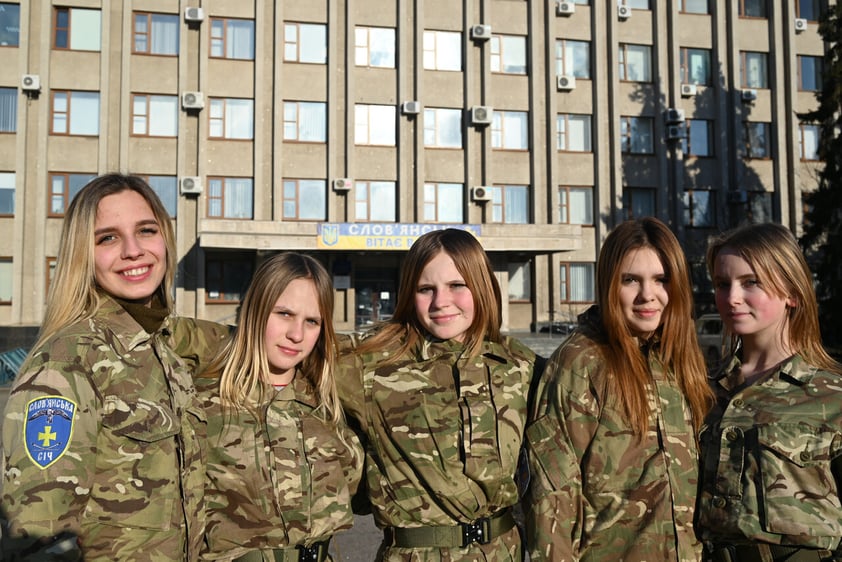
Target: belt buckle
477 532
310 553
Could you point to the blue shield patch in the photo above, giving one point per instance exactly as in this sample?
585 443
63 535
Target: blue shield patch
48 428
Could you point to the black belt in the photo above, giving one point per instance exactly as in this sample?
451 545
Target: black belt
317 552
481 531
761 552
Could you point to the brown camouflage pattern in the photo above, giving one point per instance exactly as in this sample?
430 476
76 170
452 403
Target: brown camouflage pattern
770 456
597 492
443 435
282 480
130 484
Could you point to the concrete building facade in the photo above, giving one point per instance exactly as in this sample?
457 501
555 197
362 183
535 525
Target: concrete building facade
346 128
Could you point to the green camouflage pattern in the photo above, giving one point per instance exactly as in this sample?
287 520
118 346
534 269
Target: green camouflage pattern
280 480
598 492
770 458
443 435
130 484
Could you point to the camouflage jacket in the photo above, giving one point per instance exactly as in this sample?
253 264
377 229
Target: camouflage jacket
101 439
770 458
282 480
443 435
597 492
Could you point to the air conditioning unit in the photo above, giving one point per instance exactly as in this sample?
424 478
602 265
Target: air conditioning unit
194 14
480 32
737 196
192 100
675 132
411 107
30 83
565 8
190 185
800 25
748 95
342 184
565 82
674 115
624 12
480 193
688 90
481 115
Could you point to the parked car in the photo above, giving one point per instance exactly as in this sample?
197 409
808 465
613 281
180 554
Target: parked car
709 332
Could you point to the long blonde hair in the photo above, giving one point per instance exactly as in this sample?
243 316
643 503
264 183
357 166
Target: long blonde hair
73 293
243 364
678 348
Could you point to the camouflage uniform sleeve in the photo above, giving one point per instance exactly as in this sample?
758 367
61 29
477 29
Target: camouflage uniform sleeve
564 422
197 341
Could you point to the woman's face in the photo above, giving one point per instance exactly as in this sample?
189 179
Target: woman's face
443 302
292 330
130 254
643 291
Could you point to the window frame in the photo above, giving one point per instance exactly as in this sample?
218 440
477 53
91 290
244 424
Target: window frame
68 30
299 197
499 208
299 122
627 132
370 53
802 127
563 53
747 144
69 115
365 197
224 120
438 204
11 188
236 264
524 269
566 207
763 4
565 282
745 81
148 34
433 127
625 65
499 129
68 192
224 197
15 7
689 208
686 75
498 52
818 72
297 42
11 95
686 141
226 39
437 55
565 132
367 107
149 118
4 260
631 195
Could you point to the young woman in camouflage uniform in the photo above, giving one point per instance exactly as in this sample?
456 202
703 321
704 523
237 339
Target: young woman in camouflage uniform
101 430
772 445
612 448
440 397
282 464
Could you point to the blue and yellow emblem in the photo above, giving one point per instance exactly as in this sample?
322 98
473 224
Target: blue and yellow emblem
48 428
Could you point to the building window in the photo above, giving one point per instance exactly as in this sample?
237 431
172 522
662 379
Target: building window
695 66
752 8
636 4
754 70
809 10
9 24
7 194
759 206
154 116
520 281
167 189
77 29
231 118
443 202
576 282
6 274
75 113
810 75
305 121
230 198
508 54
808 141
639 202
63 188
374 124
51 274
374 47
573 58
575 205
305 42
156 34
375 201
698 139
442 127
699 208
305 200
756 140
442 50
232 39
693 6
509 130
226 278
509 204
635 63
573 132
636 135
8 110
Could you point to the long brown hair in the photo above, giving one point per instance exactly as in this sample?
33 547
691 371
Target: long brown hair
678 347
472 263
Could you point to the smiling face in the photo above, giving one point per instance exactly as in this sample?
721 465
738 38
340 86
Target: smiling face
292 330
130 254
643 291
443 302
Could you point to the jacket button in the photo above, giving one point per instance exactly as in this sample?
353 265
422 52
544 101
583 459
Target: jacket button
719 502
733 434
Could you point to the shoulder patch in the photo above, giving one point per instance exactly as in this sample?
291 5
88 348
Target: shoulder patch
48 428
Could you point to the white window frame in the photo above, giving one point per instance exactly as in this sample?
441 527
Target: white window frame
443 50
510 130
374 47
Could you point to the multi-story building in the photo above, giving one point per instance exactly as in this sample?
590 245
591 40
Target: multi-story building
344 129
